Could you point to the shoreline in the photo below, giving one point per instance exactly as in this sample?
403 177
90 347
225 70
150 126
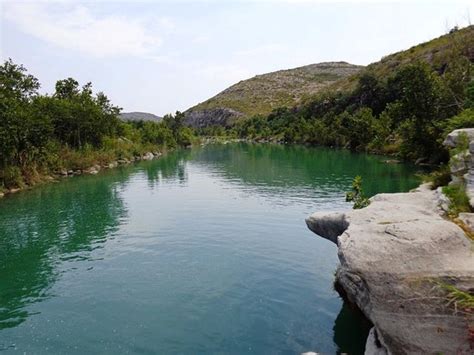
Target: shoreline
92 170
395 256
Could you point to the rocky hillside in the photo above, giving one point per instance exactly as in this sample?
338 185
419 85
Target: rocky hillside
437 52
263 93
139 116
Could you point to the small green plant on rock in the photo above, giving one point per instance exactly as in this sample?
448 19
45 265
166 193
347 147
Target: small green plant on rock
357 194
459 201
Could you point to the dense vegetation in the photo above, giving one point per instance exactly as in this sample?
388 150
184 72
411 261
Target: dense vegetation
403 105
70 129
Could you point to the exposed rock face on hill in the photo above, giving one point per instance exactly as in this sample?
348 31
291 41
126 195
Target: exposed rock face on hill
393 254
263 93
139 116
211 117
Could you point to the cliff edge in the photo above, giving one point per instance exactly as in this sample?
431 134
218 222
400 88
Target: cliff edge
395 256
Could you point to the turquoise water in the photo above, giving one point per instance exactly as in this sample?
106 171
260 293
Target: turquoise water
202 251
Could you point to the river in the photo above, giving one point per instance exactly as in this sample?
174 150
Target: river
202 251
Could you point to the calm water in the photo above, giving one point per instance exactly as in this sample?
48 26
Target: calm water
203 251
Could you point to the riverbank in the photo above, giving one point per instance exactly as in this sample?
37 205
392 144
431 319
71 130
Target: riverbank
90 169
400 260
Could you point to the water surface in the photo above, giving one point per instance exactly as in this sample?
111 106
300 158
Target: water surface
202 251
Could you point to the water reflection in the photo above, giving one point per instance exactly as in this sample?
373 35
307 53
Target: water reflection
42 227
229 241
170 168
61 222
351 329
287 169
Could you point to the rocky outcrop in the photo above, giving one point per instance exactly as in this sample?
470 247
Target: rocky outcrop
211 117
393 256
453 139
461 164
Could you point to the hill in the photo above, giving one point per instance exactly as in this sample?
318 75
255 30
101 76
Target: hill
139 116
437 53
263 93
294 87
404 104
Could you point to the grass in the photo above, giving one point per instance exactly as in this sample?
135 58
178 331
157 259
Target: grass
437 178
63 157
285 88
458 298
459 201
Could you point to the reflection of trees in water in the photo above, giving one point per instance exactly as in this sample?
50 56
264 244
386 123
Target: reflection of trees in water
41 227
351 329
264 165
171 167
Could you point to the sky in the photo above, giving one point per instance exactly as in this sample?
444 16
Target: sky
163 56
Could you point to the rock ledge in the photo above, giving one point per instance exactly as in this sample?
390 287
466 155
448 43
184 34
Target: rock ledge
392 254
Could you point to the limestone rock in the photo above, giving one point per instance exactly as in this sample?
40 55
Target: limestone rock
459 164
211 117
452 139
391 255
373 346
467 219
148 156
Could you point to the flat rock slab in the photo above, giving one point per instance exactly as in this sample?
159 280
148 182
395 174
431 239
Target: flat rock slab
393 255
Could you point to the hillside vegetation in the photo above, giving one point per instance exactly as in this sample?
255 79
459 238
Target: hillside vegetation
263 93
403 105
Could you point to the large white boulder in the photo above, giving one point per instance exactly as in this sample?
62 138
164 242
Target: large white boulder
392 254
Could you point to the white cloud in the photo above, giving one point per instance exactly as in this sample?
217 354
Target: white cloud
76 27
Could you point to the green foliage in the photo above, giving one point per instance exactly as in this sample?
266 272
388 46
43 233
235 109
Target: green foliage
469 103
463 120
402 105
439 177
406 113
72 129
460 299
357 194
459 201
11 177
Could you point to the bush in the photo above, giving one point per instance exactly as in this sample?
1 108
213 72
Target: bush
357 194
11 177
464 120
439 177
459 201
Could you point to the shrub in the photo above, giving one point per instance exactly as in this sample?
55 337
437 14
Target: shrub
439 177
357 194
459 201
11 177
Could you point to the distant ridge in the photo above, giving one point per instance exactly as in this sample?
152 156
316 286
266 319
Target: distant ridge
139 116
263 93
